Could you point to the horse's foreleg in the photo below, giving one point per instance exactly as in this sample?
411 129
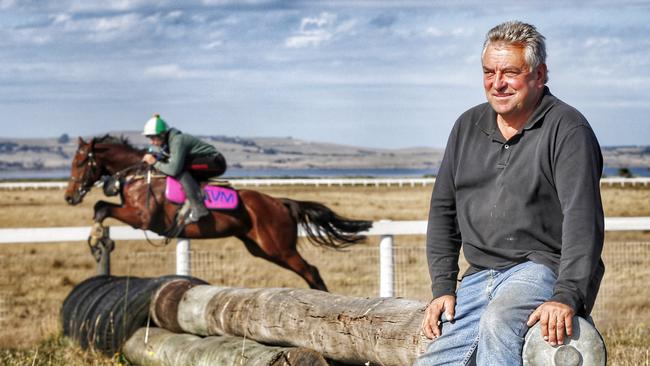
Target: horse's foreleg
99 240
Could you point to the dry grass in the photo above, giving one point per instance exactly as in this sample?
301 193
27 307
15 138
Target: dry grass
57 351
35 278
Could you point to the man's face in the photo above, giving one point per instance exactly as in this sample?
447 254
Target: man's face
156 140
512 89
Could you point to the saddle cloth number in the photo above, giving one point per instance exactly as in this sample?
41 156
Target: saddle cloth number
215 197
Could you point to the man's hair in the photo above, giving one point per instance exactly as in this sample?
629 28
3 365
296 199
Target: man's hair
521 34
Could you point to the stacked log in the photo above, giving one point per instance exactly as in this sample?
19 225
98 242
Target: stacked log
160 347
383 331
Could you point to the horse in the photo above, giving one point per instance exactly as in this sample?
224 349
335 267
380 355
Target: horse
267 226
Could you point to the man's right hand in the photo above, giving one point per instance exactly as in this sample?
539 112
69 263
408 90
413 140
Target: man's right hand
431 322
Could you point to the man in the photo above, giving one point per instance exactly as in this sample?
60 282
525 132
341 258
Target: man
186 158
518 189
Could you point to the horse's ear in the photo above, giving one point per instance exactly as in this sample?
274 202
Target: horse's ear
81 141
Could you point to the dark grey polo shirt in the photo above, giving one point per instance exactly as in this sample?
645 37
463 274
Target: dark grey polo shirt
535 197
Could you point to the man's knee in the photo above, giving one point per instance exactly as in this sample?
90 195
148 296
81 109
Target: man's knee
501 323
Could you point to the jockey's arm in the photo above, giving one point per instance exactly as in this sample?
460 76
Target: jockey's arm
177 155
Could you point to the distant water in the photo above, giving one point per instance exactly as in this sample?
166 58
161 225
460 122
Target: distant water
638 171
294 173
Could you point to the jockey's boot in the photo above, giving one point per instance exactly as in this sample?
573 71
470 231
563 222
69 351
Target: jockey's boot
194 197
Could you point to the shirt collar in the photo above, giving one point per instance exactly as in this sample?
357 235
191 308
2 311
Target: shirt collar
487 121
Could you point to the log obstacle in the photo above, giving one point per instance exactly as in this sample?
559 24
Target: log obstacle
381 331
160 347
104 311
375 331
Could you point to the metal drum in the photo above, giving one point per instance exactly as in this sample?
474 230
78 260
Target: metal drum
586 347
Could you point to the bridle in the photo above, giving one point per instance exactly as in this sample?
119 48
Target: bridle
83 183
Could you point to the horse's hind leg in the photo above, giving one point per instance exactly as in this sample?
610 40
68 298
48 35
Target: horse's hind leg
289 259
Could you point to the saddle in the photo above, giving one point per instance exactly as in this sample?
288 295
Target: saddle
218 195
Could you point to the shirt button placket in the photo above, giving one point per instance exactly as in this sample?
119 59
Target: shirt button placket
504 155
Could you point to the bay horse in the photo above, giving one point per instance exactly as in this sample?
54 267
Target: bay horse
267 226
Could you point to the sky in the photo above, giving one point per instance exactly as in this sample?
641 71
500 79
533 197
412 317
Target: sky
386 74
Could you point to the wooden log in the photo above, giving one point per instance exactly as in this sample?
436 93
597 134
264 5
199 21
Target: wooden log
383 331
164 304
164 348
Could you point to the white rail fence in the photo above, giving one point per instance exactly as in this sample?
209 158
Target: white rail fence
324 182
386 229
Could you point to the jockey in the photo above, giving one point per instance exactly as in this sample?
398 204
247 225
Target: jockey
185 158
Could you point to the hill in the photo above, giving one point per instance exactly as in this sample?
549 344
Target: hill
240 152
274 153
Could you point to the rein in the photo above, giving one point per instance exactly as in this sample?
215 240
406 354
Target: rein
84 187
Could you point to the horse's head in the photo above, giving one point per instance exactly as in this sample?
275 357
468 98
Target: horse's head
84 173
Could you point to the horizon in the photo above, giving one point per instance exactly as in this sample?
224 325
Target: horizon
72 138
372 74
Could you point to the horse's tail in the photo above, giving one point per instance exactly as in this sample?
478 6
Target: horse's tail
323 226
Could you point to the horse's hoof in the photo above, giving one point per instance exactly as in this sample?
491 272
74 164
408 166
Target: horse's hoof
93 240
96 252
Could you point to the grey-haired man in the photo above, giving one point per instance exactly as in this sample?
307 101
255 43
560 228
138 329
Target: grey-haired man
518 190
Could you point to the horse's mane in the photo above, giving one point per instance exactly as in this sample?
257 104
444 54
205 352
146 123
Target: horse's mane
110 139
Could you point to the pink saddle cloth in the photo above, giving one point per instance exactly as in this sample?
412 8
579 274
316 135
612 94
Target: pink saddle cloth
215 197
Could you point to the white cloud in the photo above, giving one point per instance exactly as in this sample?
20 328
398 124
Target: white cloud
236 2
311 38
317 30
434 31
6 4
174 14
168 71
120 5
61 18
325 19
121 23
212 45
597 42
30 36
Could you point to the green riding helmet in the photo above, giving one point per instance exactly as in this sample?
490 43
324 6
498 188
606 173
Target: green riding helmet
155 126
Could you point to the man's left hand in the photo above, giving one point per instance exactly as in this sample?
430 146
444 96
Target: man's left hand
149 159
556 318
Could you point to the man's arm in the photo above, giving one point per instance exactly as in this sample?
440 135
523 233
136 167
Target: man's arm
177 155
578 167
443 242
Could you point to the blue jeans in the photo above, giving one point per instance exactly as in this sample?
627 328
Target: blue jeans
492 307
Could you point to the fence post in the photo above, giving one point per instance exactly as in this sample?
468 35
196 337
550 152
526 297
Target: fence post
386 264
105 246
183 257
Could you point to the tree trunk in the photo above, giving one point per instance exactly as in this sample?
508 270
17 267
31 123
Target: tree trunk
382 331
164 348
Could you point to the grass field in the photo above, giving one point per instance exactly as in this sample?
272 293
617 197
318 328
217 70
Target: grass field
35 278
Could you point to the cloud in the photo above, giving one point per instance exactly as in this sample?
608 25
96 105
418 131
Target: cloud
434 31
113 5
212 45
169 71
237 2
598 42
317 30
6 4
